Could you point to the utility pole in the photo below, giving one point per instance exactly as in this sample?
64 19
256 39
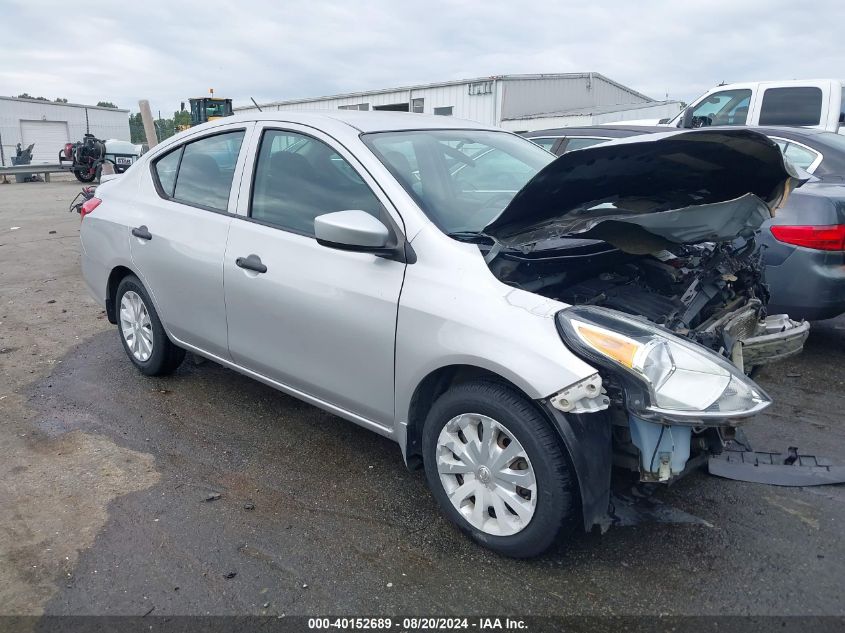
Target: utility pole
3 159
149 124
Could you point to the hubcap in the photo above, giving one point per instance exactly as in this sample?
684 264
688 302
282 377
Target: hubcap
486 473
135 326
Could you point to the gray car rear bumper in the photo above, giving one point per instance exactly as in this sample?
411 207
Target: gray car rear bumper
808 284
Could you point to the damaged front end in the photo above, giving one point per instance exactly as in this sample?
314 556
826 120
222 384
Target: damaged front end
652 241
663 226
663 392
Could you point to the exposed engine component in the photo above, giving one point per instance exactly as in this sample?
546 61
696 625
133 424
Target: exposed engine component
681 290
690 289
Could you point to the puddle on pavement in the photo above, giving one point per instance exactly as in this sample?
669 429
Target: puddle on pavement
636 505
56 425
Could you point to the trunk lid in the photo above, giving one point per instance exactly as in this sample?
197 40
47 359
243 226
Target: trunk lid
643 192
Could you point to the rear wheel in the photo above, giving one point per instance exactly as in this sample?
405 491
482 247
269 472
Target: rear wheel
497 470
141 333
84 175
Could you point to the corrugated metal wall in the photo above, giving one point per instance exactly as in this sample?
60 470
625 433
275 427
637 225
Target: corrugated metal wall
652 114
105 123
522 97
481 108
515 95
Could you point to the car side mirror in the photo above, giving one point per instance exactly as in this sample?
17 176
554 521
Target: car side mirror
686 120
352 230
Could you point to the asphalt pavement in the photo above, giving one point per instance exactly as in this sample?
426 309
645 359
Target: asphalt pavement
209 493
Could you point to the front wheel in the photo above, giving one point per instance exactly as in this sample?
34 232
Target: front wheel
497 469
141 332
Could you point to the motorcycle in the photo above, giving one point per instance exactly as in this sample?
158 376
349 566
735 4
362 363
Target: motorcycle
88 155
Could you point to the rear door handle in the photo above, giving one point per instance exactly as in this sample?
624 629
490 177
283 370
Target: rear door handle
142 232
252 262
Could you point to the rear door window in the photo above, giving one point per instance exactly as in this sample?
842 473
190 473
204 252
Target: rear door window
206 171
545 143
165 169
575 142
801 105
800 156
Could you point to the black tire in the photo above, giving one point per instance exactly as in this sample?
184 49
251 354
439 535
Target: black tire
165 356
556 485
85 177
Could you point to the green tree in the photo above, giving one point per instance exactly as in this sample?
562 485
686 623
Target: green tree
105 104
182 118
26 95
60 100
136 129
165 128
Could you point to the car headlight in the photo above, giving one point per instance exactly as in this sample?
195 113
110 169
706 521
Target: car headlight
664 376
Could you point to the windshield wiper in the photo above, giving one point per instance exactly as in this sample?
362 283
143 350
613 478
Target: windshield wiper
494 246
473 237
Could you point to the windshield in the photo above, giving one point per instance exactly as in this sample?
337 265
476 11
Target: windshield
218 107
461 179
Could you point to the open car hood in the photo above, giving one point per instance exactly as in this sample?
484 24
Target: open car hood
643 192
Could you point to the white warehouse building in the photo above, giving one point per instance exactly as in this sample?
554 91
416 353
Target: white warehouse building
50 125
520 103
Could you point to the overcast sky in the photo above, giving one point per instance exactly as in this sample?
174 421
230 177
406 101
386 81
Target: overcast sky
167 51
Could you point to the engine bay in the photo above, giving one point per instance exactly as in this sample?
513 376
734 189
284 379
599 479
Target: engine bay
686 288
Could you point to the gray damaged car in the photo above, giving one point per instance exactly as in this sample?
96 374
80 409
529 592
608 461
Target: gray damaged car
516 323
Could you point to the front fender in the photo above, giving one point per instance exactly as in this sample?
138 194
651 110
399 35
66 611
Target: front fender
587 438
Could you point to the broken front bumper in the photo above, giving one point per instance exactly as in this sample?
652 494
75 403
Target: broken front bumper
778 469
753 341
779 337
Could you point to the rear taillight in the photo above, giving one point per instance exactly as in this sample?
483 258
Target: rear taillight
88 206
830 237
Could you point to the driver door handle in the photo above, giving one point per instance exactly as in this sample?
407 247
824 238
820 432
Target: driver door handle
252 262
142 232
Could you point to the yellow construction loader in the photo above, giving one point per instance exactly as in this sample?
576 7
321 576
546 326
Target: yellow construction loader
205 109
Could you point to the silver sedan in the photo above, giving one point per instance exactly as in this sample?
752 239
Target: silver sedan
416 275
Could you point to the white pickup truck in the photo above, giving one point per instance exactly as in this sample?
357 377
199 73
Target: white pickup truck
812 103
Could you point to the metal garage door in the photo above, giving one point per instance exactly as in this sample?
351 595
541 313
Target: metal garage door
49 137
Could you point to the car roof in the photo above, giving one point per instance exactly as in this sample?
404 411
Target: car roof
362 121
778 130
610 131
829 144
812 137
622 131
